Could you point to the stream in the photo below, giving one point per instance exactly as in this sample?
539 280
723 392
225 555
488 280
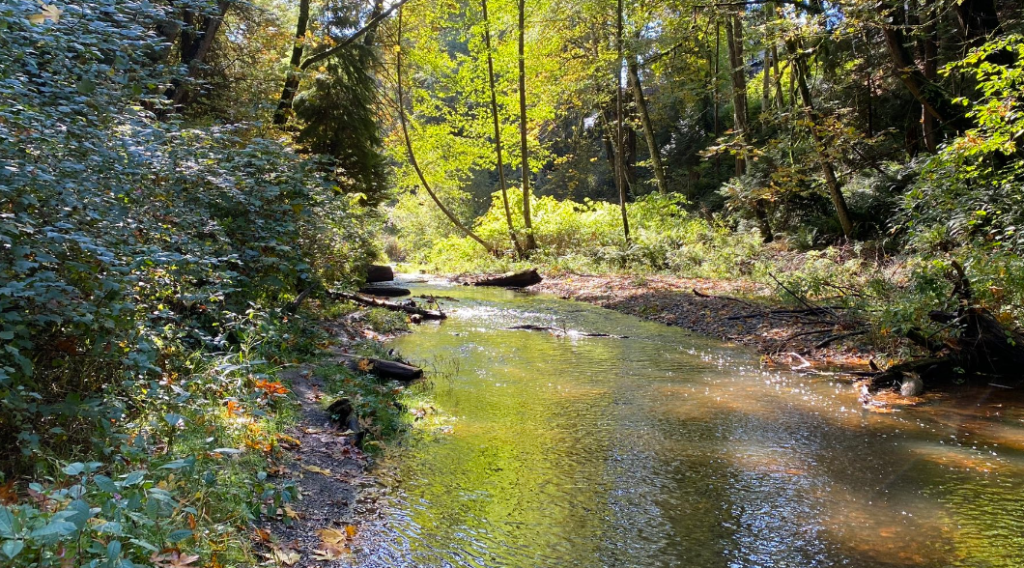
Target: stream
669 449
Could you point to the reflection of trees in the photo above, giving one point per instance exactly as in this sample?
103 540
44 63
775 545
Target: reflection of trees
618 452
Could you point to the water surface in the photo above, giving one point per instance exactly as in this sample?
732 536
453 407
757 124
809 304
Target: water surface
668 449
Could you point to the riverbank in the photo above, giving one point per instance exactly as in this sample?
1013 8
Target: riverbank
737 311
327 462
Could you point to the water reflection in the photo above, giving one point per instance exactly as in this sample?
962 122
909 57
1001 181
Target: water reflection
665 449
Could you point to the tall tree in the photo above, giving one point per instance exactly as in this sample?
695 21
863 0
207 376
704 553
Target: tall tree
741 124
412 155
531 241
291 82
814 121
195 41
645 121
620 165
497 131
294 77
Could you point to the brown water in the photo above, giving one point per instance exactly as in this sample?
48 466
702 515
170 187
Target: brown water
668 449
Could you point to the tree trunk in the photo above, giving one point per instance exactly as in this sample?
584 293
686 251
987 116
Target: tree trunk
931 72
383 369
905 67
734 39
288 94
195 48
371 35
412 156
645 120
531 241
978 20
407 306
800 70
620 166
291 83
497 133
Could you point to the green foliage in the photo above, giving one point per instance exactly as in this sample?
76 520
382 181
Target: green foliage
339 120
125 238
971 189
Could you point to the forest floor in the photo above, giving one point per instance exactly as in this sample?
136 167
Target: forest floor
737 311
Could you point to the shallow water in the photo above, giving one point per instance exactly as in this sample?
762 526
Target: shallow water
668 449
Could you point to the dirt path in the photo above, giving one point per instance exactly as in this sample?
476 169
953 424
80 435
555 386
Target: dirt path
337 492
731 310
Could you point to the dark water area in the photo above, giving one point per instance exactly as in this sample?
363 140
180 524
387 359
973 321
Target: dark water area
669 449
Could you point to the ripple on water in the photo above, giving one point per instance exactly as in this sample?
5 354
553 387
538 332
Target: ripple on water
666 449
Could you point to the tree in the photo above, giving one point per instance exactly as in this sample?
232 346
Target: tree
531 241
620 142
412 156
497 131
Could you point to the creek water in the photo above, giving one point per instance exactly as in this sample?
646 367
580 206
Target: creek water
668 449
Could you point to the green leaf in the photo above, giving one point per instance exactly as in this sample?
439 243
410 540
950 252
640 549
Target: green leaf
178 535
105 484
7 523
11 548
55 528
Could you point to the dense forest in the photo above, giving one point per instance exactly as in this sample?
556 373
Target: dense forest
183 183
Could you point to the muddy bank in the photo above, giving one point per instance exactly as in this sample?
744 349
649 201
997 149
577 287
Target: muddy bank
324 460
737 311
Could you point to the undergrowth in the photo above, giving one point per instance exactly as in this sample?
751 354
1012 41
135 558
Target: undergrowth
185 467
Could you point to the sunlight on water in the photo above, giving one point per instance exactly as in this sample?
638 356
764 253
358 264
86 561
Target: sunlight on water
667 449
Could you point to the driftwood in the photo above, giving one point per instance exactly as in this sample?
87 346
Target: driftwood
520 279
385 291
407 306
379 273
383 369
977 345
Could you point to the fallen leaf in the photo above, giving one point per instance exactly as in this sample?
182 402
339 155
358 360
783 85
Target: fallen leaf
328 552
173 559
285 556
334 536
317 469
261 536
8 493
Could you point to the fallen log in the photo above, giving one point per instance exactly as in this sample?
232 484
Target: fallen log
385 291
407 306
379 273
383 369
977 345
520 279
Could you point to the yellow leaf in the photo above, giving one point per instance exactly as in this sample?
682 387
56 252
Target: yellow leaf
333 536
285 556
50 12
329 553
317 469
